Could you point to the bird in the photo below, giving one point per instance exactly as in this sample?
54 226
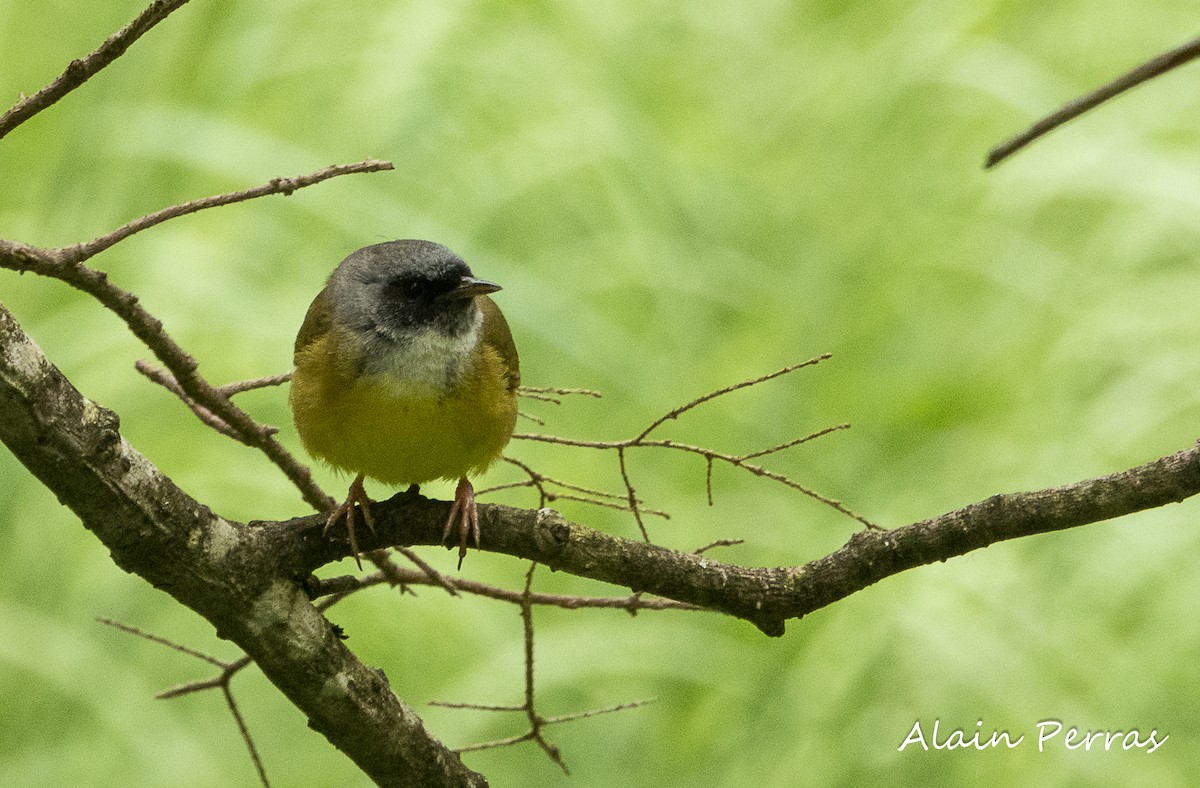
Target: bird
405 372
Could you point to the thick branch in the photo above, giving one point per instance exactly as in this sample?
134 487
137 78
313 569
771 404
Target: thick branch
216 567
764 596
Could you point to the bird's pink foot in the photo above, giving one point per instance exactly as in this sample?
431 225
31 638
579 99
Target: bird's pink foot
465 516
356 495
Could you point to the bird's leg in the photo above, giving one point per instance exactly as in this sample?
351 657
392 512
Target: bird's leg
356 495
466 514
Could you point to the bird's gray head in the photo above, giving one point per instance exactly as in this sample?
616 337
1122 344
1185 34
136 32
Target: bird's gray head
398 291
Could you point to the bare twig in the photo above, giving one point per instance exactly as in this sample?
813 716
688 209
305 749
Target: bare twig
443 704
718 543
739 461
80 71
549 394
579 715
245 732
435 577
228 670
167 381
536 721
631 493
1073 109
634 603
230 389
675 413
632 503
789 444
210 419
161 641
547 494
284 186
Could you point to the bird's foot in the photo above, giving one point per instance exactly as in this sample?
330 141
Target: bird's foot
465 515
356 495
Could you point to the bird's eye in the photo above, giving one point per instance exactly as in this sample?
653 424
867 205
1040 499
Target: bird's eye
409 288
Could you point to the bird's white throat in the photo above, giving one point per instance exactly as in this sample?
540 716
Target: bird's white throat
429 360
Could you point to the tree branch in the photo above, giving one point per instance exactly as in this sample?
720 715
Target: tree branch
764 596
284 186
245 578
80 71
1152 68
216 567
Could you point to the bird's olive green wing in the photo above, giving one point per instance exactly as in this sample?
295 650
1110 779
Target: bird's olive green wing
317 322
497 335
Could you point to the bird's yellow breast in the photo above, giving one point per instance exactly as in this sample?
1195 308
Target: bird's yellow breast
400 432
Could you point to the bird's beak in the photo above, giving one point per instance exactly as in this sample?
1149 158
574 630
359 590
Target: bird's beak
470 287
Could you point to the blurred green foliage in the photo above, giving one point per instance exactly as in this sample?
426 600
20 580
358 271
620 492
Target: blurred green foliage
676 196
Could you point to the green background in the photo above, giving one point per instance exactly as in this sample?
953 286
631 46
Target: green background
676 196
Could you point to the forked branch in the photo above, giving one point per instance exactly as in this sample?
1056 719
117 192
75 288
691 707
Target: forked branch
642 440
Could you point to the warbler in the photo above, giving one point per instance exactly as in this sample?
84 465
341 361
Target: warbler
406 371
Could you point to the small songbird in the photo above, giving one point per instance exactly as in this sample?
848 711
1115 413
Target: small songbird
406 372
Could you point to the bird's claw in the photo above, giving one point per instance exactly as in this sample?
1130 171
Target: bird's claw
466 514
356 495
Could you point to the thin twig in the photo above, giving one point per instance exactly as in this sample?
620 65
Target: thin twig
108 622
489 745
284 186
527 622
718 543
634 603
245 731
80 71
210 419
545 394
541 477
1149 70
527 599
543 484
435 577
207 417
580 715
230 389
535 419
535 722
474 707
642 440
632 494
708 464
738 461
675 413
222 680
795 442
383 562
